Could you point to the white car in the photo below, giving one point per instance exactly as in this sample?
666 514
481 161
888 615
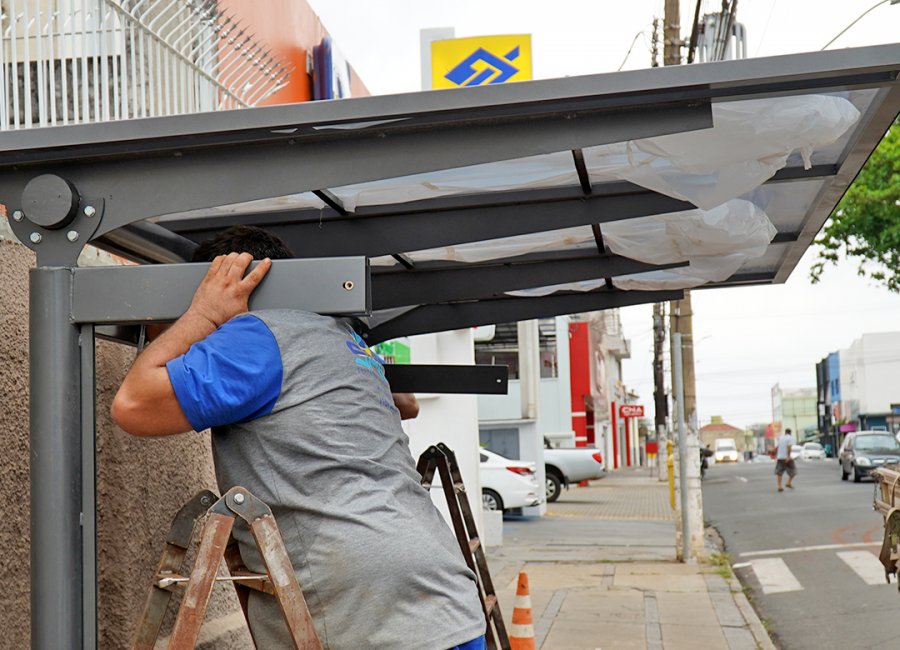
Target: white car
725 451
506 483
812 450
796 451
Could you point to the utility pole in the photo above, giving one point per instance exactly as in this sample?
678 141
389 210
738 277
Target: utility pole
689 525
672 34
659 387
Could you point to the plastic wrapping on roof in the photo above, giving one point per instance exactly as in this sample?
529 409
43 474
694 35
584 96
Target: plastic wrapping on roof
750 142
716 242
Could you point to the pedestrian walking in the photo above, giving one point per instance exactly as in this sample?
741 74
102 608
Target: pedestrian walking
783 461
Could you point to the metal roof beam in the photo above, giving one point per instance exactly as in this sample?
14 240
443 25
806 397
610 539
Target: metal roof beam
135 188
476 282
388 234
439 318
163 292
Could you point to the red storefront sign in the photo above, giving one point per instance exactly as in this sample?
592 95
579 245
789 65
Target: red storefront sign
631 410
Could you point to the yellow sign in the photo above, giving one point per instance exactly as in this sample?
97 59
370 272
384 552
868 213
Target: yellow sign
480 60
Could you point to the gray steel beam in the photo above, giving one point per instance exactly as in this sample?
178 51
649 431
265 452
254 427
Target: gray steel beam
518 214
57 616
136 188
134 294
766 76
448 221
147 242
439 318
204 224
490 280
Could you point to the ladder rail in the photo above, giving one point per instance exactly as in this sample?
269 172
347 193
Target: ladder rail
217 544
177 542
442 459
480 558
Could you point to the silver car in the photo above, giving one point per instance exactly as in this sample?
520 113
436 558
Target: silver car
863 451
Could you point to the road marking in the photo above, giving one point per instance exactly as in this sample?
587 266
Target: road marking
741 478
865 565
802 549
774 576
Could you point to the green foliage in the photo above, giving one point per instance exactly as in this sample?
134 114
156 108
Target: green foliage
865 226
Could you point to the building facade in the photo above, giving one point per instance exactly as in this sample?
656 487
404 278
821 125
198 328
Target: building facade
795 409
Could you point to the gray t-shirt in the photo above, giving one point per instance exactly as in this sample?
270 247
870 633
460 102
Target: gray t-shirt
378 565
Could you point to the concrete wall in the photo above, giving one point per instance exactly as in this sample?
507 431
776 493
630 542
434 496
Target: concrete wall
141 484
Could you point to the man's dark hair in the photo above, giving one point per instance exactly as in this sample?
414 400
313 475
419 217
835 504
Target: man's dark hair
258 242
787 430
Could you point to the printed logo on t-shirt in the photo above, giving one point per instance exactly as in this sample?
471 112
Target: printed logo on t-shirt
370 363
365 357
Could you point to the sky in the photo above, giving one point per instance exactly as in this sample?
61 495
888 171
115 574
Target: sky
746 339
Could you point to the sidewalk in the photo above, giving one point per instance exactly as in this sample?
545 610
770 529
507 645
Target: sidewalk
602 570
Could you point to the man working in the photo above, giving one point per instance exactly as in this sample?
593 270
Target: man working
303 417
783 461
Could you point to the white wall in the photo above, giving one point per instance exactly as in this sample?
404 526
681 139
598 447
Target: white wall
451 419
881 372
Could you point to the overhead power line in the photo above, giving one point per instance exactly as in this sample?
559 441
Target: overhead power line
860 17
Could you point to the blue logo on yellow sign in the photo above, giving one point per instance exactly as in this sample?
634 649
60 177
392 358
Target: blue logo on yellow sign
480 60
495 69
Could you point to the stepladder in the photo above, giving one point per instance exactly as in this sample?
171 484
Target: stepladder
441 458
215 545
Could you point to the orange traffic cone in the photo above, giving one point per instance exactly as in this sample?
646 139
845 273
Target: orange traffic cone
521 632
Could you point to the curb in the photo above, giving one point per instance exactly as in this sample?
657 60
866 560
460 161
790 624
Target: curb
757 629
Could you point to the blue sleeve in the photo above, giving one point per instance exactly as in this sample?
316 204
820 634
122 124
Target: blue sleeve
233 375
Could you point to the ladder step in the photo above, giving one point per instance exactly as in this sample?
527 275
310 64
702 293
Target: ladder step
164 581
474 544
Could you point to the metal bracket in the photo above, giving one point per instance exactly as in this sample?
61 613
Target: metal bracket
54 220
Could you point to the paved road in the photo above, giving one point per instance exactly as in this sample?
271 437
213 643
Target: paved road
807 555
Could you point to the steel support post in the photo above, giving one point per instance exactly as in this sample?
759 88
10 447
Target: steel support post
56 479
88 487
682 446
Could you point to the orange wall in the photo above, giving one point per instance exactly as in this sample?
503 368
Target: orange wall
291 29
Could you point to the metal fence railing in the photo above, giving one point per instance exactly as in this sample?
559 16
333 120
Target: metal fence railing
73 61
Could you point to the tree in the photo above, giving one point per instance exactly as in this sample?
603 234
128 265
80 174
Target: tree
865 225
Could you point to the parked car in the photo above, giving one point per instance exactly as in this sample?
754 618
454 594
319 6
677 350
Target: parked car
507 483
570 465
796 451
813 450
725 451
863 451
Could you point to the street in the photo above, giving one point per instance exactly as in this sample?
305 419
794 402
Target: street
808 556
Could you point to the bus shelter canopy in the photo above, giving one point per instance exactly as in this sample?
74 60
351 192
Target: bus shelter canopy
489 204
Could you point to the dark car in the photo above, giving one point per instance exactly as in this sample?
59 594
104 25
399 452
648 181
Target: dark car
865 450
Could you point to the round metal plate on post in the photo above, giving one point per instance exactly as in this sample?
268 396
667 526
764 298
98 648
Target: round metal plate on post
50 201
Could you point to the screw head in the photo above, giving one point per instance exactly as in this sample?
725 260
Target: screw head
72 235
348 285
204 501
18 215
239 498
89 211
35 238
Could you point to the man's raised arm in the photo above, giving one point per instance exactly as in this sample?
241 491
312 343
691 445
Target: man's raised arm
146 404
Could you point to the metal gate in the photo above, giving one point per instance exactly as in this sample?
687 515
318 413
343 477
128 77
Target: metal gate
73 61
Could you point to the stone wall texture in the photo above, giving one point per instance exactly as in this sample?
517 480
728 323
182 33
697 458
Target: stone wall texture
141 484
